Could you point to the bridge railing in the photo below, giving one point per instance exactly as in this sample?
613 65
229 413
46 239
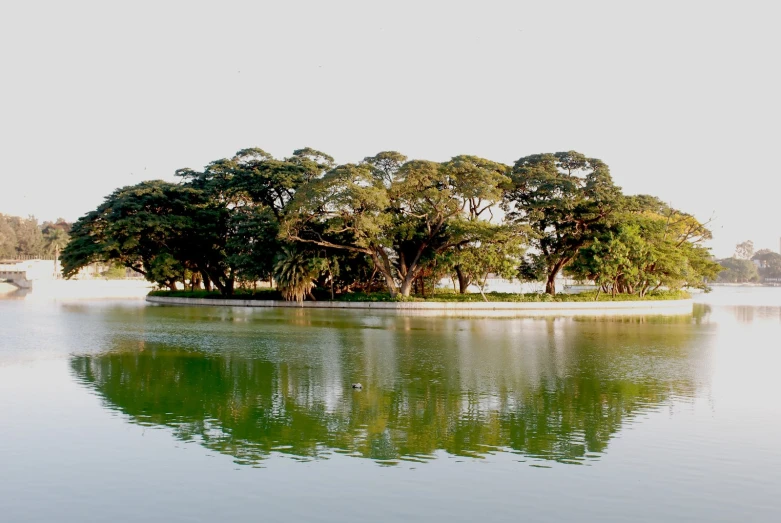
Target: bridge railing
28 257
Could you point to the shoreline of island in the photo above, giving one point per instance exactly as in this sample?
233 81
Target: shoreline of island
597 308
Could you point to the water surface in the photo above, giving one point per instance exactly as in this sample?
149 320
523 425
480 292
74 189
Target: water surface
131 411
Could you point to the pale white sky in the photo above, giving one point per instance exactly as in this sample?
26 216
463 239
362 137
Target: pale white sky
680 99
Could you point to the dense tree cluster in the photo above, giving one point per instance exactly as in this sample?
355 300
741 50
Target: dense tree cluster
392 223
26 237
647 245
747 266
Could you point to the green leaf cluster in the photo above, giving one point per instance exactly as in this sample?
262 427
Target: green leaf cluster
648 245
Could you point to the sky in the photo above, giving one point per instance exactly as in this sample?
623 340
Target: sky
681 99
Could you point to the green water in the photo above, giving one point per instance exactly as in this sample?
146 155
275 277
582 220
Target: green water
126 411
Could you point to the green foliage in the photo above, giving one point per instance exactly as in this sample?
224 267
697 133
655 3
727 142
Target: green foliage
20 237
239 294
8 243
114 272
148 227
250 248
566 199
769 263
499 251
55 239
402 214
328 230
649 246
737 270
25 237
294 273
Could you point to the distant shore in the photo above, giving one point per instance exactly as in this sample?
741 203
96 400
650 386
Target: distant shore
80 289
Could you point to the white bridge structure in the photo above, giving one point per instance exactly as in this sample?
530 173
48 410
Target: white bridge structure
23 273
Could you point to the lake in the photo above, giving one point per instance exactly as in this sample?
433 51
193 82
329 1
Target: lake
124 411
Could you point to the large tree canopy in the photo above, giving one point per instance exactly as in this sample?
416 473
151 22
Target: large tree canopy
401 214
154 228
566 199
647 246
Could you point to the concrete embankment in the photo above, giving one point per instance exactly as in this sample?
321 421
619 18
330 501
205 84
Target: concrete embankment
509 309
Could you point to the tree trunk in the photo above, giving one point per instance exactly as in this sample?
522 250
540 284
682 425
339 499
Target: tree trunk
389 282
463 280
407 282
406 287
550 285
382 264
481 283
218 285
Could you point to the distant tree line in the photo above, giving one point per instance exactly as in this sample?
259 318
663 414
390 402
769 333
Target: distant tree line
394 224
26 237
747 266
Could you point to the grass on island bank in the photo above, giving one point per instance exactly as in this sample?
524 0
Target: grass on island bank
440 296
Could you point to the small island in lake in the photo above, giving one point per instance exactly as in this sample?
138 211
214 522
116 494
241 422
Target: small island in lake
390 228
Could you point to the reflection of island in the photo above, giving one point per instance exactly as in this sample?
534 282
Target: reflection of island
551 389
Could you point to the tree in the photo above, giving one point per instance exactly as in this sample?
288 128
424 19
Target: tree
481 185
253 242
769 263
7 238
566 199
55 239
649 245
500 254
295 273
24 237
498 251
737 270
401 215
29 239
608 261
47 227
154 228
405 222
744 250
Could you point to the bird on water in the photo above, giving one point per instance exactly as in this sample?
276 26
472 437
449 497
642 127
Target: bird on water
357 386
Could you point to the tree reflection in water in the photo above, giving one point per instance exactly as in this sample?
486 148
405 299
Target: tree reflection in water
555 389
